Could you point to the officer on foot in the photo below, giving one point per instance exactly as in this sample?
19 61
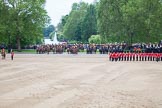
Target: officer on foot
12 54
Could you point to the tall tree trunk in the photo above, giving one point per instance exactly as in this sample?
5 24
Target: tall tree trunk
18 44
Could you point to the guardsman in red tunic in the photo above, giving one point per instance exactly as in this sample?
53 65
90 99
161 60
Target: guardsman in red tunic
161 56
151 56
148 56
140 56
137 55
113 56
154 56
133 55
127 55
157 56
124 55
120 56
12 54
116 56
130 56
145 56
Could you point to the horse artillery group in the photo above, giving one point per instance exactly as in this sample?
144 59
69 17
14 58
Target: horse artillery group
101 48
75 48
57 49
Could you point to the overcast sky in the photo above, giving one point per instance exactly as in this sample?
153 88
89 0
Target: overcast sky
57 8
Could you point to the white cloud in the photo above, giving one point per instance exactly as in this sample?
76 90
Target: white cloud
57 8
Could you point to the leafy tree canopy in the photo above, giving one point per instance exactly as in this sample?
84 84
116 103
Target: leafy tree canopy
22 21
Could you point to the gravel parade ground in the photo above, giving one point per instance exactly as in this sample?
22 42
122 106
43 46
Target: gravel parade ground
79 81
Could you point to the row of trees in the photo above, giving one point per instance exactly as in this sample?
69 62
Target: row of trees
48 30
22 22
130 20
80 24
114 20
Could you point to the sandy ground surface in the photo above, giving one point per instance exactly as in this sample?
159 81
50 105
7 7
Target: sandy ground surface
79 81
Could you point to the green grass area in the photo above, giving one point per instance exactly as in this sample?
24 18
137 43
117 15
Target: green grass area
32 51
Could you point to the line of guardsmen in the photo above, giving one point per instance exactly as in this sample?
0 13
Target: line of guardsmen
132 56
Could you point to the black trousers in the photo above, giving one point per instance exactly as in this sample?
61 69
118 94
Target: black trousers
112 59
137 58
157 59
142 58
121 58
125 58
150 58
11 57
116 59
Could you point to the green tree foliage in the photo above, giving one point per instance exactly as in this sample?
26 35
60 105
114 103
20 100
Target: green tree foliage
72 29
60 27
23 21
151 22
95 39
89 25
130 20
4 21
81 22
48 30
